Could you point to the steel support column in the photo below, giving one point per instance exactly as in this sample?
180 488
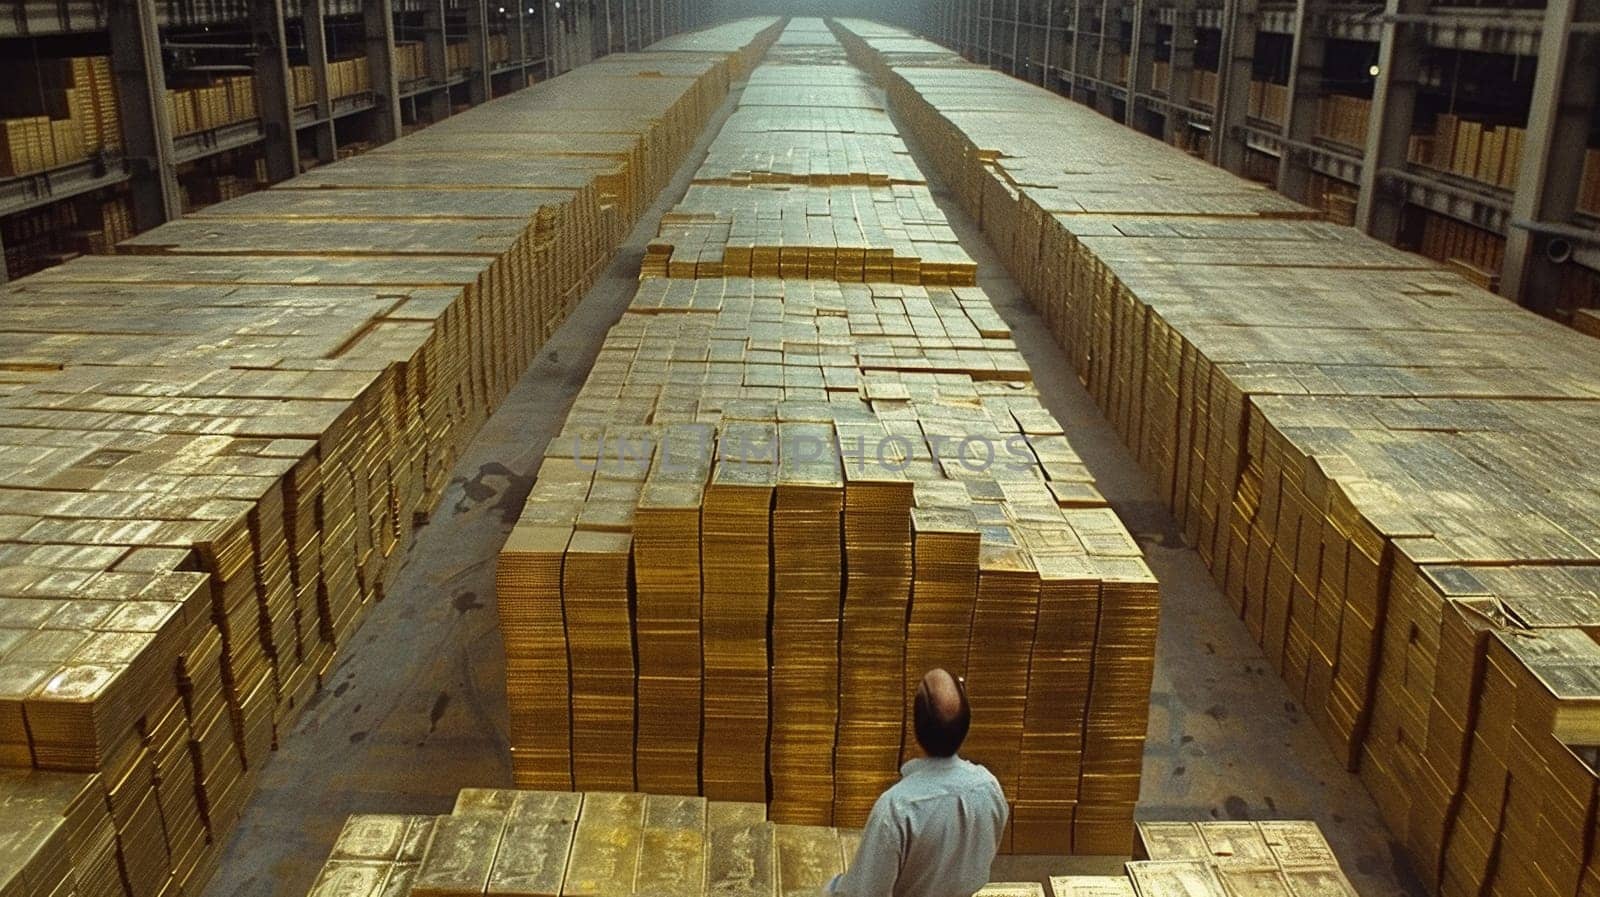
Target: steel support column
1236 66
479 86
1083 64
313 28
1180 68
435 44
1048 43
1142 64
1304 97
1394 103
521 56
1110 35
279 148
142 102
1564 95
547 12
378 25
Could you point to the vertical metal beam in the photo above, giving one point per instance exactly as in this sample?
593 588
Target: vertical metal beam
520 57
313 28
479 89
1394 104
1235 69
142 102
1016 37
435 45
1080 62
546 13
987 20
1564 96
378 24
1102 68
1050 39
1304 97
1142 60
1180 67
279 149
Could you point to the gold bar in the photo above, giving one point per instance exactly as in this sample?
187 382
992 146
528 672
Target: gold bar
605 849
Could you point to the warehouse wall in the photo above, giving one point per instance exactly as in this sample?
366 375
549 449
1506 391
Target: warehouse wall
900 13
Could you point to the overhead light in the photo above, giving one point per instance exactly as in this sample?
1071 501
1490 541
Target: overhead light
502 10
1373 70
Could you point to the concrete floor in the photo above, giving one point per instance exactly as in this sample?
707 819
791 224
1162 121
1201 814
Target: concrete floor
415 709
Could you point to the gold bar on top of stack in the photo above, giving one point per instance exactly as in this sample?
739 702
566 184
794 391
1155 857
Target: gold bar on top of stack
497 843
217 443
1381 463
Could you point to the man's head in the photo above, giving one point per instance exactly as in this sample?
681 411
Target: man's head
940 714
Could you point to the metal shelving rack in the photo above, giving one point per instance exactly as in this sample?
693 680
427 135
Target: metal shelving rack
1076 47
545 38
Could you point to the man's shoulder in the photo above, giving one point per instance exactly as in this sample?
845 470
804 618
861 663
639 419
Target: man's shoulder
980 776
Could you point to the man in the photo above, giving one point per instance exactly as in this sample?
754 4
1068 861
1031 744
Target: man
935 832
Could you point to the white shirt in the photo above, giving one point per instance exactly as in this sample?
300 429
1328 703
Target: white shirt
933 834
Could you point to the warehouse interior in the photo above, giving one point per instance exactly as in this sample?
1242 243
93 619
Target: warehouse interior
451 448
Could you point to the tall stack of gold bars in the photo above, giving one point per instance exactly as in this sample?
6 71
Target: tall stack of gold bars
1388 470
822 486
496 843
213 449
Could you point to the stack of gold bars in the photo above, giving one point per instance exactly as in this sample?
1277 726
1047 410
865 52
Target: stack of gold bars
596 844
1385 467
809 179
1209 859
214 446
827 487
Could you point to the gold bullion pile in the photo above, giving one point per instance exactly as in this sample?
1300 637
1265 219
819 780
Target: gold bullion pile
1209 859
1389 471
213 445
599 844
809 179
608 844
776 502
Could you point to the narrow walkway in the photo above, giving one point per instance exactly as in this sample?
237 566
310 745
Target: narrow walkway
416 710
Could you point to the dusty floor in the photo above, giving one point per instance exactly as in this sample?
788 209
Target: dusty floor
416 711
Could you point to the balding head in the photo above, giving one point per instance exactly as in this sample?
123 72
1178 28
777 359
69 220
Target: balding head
940 714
